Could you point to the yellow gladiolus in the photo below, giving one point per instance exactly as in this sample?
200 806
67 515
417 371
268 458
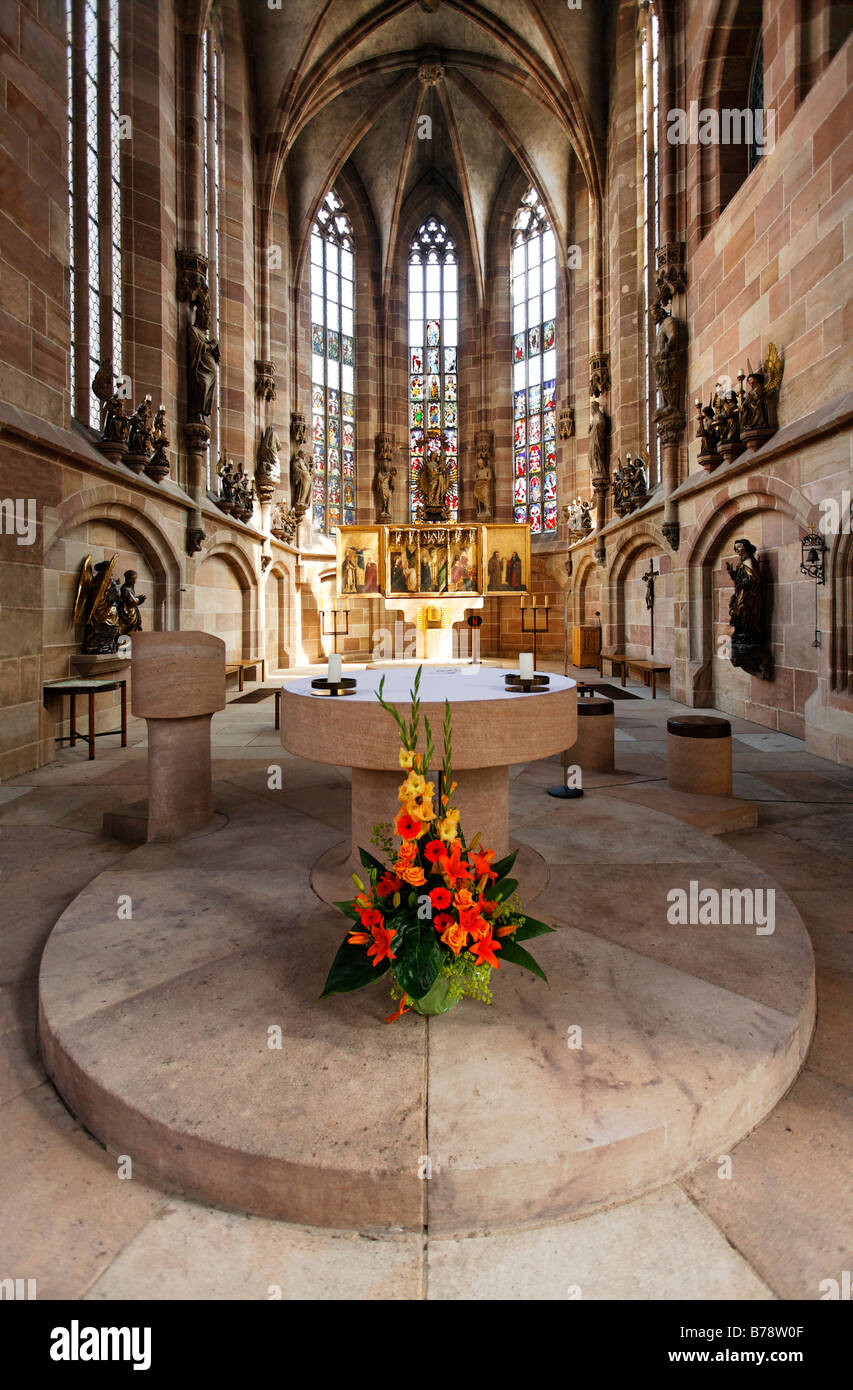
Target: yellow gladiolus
406 758
413 786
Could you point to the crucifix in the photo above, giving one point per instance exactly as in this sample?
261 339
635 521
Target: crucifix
649 578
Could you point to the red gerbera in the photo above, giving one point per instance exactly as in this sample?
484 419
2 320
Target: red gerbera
407 827
433 851
440 897
371 917
442 920
389 883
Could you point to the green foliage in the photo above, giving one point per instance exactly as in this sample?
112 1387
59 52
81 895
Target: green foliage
530 928
382 836
419 956
503 889
504 865
352 969
516 955
372 865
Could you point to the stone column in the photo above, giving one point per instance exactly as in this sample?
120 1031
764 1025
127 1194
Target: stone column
178 682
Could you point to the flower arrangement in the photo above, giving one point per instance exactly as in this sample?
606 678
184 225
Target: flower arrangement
443 916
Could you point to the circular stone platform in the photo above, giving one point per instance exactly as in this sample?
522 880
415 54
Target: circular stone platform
161 1033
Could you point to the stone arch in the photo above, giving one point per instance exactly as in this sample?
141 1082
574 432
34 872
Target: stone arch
211 617
718 522
626 625
141 529
582 585
840 576
279 626
732 33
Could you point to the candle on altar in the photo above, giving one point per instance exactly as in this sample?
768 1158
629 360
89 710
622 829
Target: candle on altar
333 675
546 600
525 666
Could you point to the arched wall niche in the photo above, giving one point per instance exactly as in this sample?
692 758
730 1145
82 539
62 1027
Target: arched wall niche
774 523
279 636
629 618
225 593
840 573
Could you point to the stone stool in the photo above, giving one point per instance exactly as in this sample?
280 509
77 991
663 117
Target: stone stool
177 684
593 748
699 754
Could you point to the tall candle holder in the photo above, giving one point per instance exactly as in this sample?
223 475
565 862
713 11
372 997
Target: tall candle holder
534 627
334 631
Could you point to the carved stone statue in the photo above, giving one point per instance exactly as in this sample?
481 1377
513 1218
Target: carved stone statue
639 482
669 358
202 362
130 617
750 651
301 477
243 494
384 475
598 460
727 422
226 474
98 607
268 468
484 477
140 433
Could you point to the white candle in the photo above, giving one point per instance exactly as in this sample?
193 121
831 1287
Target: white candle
525 666
333 674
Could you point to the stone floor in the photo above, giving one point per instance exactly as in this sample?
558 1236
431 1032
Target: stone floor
776 1228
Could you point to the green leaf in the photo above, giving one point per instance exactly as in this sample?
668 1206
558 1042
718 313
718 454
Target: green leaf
352 969
531 928
511 951
370 863
348 910
503 866
419 956
503 889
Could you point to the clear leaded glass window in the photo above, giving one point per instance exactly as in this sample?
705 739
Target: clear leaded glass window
94 189
211 95
333 366
650 106
433 375
756 103
534 366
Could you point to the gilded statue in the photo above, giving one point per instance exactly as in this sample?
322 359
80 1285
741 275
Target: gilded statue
97 606
130 618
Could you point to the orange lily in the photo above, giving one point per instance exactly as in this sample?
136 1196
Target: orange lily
453 866
484 950
381 944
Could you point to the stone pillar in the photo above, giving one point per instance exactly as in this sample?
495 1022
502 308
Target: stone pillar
178 682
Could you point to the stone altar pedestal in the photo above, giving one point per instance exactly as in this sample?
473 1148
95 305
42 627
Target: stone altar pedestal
434 634
492 728
178 682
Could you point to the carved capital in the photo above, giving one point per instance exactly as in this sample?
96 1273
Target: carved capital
264 379
672 533
670 425
670 273
599 373
197 437
192 275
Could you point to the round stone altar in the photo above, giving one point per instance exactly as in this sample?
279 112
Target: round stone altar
189 1037
492 728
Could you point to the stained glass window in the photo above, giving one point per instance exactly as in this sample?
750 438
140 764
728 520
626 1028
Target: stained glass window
433 360
211 95
94 188
333 367
650 99
534 366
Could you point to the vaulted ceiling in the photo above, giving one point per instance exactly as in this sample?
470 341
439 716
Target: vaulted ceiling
506 85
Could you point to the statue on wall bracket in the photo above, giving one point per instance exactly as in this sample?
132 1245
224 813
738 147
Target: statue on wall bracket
301 467
484 477
268 466
383 475
747 613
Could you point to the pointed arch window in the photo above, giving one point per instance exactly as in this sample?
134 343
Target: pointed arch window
94 204
333 366
433 362
534 366
649 92
212 153
756 104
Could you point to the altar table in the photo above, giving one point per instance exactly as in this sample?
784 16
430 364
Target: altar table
492 728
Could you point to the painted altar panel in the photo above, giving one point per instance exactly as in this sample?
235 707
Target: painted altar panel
360 560
506 558
429 560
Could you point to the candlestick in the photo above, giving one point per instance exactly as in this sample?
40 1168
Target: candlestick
525 666
333 675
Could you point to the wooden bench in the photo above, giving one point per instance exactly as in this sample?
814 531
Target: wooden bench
241 664
649 666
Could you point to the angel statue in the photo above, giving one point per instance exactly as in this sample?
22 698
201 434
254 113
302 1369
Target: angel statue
98 606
